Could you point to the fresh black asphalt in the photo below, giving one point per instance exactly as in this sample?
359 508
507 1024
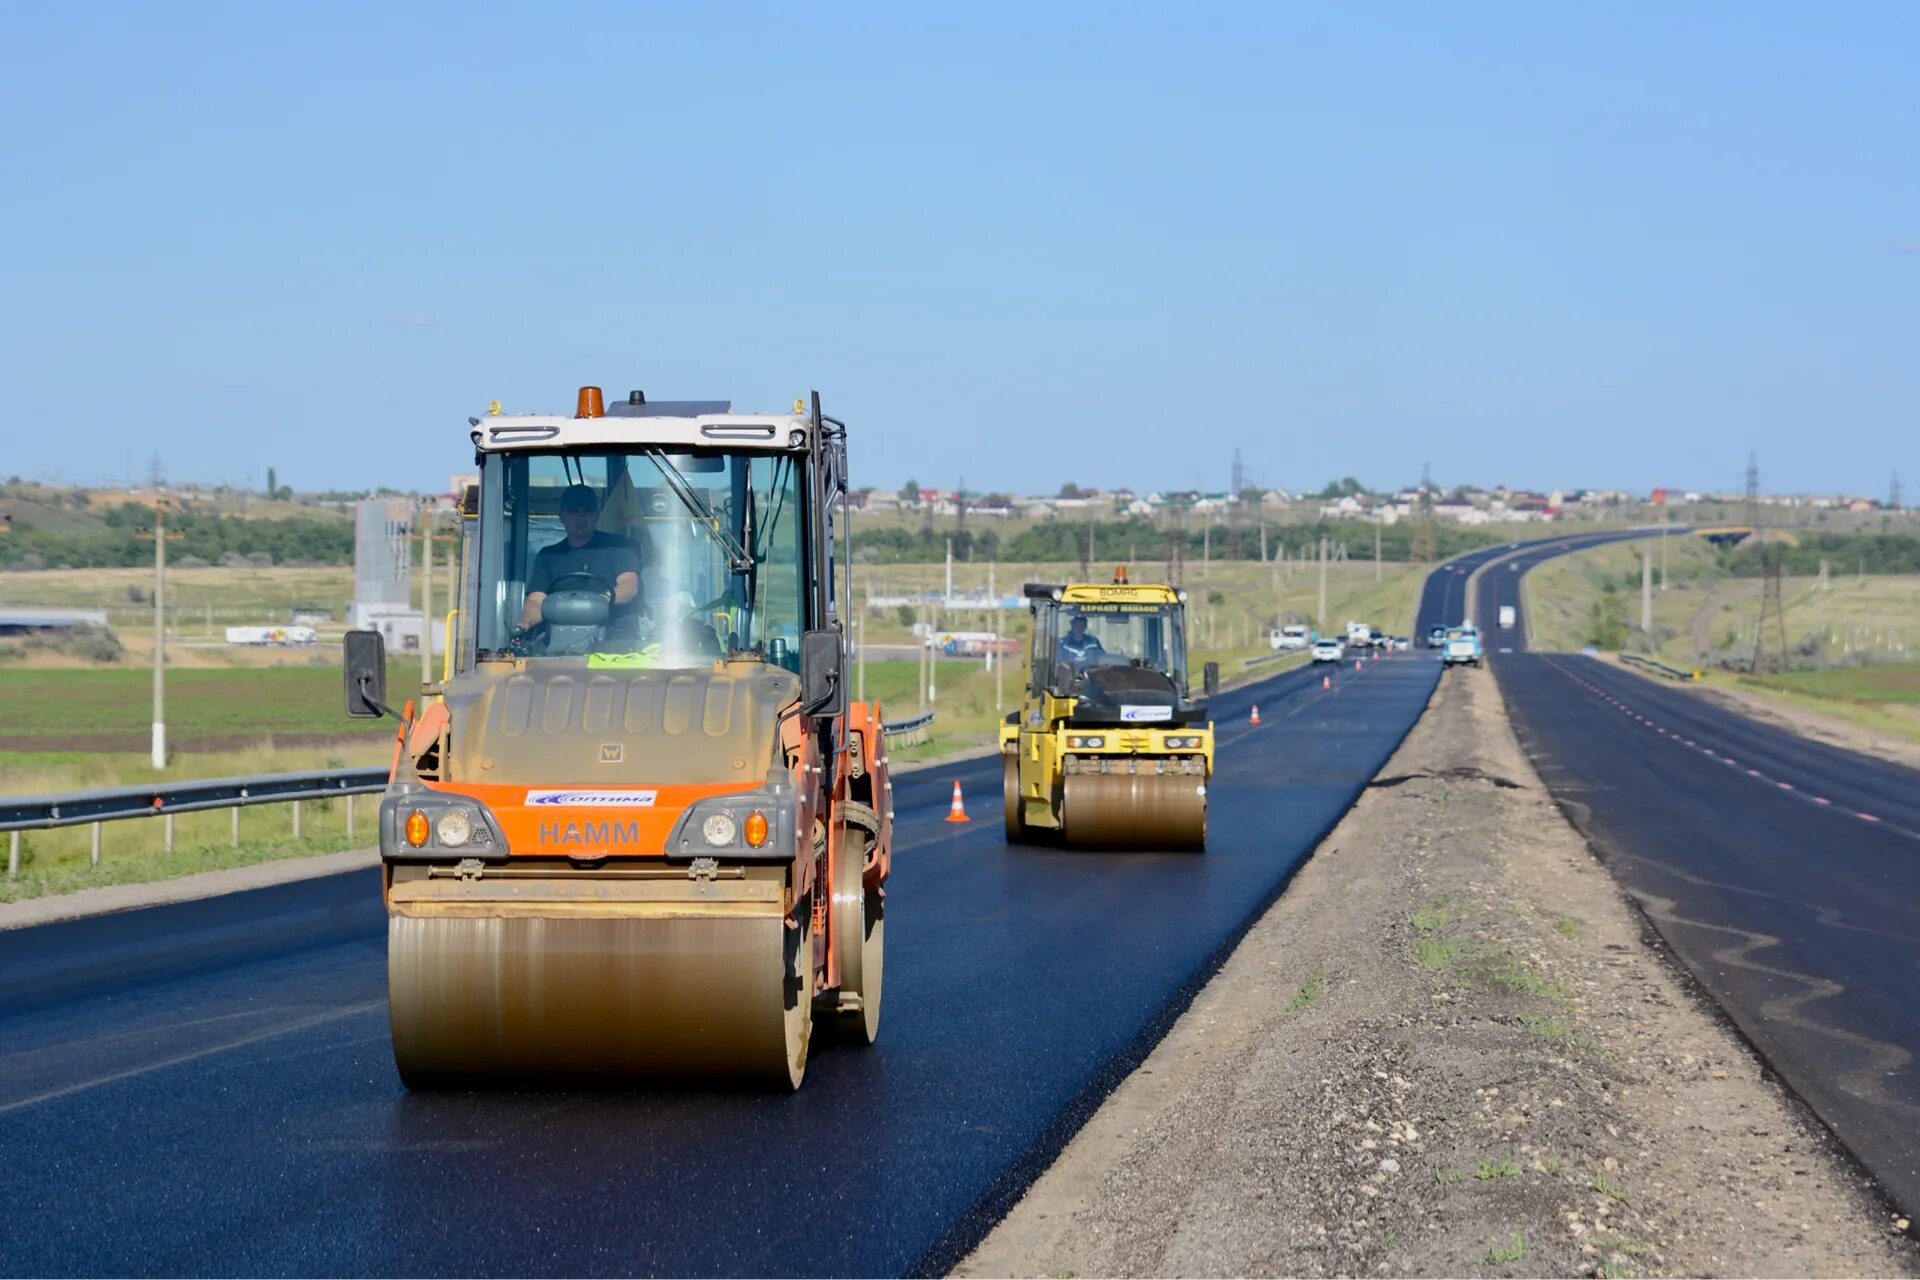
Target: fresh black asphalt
208 1087
1783 872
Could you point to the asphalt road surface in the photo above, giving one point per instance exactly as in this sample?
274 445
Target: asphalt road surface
1783 872
208 1087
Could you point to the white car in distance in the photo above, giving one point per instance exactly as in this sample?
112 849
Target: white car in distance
1328 651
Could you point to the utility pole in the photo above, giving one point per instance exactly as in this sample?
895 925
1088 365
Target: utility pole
1376 546
1321 616
923 633
1646 596
1666 518
426 592
160 536
1206 549
159 634
948 598
1424 549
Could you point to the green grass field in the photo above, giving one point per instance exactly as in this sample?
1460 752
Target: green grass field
207 710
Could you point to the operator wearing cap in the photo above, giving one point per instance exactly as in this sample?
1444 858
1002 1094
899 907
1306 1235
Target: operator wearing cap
610 559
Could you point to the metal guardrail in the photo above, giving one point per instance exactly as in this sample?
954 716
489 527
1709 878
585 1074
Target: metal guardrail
1658 668
71 809
909 732
119 804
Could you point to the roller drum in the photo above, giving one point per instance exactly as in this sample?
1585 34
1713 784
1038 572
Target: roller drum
1123 810
503 999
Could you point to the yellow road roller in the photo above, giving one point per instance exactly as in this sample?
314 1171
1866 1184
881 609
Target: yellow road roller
639 832
1107 751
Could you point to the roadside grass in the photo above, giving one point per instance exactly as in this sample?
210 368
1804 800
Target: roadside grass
1493 1170
111 709
1608 1187
1447 1177
1430 949
56 861
1881 697
1610 1242
1568 927
1312 989
1512 1249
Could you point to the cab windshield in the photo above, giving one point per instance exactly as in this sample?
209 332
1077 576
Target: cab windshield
640 558
1070 639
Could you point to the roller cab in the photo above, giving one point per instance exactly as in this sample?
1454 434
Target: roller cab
1107 749
638 833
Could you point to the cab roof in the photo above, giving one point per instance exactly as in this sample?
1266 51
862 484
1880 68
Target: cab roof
670 424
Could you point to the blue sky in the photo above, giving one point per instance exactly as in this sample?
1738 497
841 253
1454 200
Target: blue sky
1535 244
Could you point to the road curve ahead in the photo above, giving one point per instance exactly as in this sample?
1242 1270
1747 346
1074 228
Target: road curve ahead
208 1087
1784 873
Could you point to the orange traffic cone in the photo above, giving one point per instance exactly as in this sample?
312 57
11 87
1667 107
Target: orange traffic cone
958 813
1255 717
1326 682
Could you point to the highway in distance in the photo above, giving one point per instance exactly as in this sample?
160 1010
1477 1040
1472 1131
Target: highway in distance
1785 873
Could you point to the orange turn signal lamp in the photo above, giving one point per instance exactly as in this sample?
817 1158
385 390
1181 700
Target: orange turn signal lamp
416 829
756 829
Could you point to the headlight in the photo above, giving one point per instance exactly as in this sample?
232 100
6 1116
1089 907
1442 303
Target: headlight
719 830
1095 742
454 829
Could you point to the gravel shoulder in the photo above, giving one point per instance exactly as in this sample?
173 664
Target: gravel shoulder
1450 1048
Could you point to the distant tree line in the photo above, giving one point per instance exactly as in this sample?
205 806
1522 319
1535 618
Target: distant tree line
1137 541
204 539
1843 552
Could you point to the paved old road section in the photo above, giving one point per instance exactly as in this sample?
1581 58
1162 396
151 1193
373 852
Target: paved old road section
1784 872
208 1088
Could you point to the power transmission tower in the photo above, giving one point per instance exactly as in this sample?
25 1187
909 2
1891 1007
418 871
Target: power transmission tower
1753 491
1893 493
1769 649
1424 550
1176 549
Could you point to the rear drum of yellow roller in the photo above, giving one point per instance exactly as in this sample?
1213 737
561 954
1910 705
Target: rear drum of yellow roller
1125 810
487 999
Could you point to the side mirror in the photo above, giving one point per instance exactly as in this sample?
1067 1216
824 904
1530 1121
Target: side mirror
365 664
1210 679
822 691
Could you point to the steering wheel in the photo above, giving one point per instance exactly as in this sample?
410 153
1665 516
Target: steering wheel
605 588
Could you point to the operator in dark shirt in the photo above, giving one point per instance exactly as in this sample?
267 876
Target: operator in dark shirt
1079 646
611 560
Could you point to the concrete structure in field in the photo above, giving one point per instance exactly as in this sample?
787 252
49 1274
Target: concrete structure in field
383 573
17 620
382 552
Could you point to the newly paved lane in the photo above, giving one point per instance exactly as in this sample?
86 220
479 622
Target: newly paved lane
1785 874
208 1087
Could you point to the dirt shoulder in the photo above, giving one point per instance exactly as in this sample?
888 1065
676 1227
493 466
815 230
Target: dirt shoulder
1784 714
1450 1049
